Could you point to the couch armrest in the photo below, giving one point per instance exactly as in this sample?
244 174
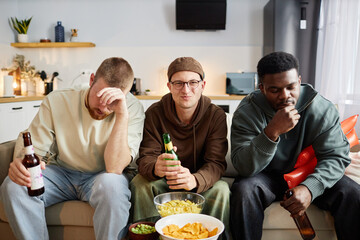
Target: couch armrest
6 156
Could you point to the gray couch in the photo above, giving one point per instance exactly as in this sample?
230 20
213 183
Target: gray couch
73 219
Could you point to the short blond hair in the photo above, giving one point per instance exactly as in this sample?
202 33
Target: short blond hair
116 72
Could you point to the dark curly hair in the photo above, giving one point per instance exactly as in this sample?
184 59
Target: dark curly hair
276 62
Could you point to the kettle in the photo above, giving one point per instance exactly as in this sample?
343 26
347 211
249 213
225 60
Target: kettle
136 87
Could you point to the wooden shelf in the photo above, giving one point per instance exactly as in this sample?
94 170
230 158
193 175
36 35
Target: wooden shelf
53 45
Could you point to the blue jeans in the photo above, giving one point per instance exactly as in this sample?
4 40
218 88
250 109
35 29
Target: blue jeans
107 193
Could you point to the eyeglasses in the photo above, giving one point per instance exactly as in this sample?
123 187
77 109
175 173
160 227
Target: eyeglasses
191 84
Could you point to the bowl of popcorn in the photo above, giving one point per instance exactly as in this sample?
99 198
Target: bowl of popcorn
189 226
178 202
143 231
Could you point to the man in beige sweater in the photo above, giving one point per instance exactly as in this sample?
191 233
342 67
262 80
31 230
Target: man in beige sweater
87 137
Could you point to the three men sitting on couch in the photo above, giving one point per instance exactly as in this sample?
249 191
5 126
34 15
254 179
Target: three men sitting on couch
95 133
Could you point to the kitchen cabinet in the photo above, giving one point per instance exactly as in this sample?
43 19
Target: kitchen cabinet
16 117
53 45
147 103
229 106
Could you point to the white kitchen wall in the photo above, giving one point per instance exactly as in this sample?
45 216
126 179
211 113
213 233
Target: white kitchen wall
141 31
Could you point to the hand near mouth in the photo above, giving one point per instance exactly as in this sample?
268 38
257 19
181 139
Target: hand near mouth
283 121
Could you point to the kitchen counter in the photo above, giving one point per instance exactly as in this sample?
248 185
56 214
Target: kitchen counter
21 99
140 97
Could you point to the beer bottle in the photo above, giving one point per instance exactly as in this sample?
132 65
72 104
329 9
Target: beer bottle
303 223
169 148
32 164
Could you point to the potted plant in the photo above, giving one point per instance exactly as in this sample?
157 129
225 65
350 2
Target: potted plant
29 76
21 27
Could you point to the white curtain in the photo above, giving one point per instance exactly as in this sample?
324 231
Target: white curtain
338 56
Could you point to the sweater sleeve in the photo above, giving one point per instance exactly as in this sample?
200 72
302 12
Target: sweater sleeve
215 150
42 133
251 149
42 129
332 152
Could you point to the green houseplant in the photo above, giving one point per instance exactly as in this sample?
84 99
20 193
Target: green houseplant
28 72
28 75
21 27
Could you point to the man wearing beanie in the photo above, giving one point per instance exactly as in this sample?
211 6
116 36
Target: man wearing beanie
198 130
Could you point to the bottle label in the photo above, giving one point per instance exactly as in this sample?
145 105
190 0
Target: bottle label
36 176
168 147
29 150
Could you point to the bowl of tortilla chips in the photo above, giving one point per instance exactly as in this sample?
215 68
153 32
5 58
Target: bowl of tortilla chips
189 226
178 202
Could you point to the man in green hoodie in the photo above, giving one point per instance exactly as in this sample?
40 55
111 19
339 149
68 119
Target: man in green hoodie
198 130
270 128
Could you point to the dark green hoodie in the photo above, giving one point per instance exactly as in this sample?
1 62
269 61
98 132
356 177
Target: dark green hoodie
253 152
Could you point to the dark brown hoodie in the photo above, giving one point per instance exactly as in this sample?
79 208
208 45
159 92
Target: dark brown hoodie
201 145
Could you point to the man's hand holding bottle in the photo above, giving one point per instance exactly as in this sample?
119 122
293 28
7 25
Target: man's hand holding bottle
19 174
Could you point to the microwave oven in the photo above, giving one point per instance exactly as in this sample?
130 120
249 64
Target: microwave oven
241 83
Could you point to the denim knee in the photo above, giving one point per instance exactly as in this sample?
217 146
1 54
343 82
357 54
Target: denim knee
244 188
10 190
111 187
347 190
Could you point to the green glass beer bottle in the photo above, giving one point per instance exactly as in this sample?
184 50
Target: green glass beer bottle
169 148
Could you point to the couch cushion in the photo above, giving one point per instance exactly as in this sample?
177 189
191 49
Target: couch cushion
230 170
353 170
63 214
276 217
3 217
69 213
355 148
6 155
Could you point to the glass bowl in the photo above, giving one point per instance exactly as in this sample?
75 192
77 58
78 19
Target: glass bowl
178 202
